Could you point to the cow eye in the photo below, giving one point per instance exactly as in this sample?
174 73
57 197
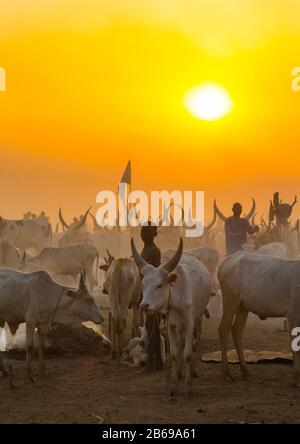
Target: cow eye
160 286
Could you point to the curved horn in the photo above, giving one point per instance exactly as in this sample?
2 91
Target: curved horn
219 213
173 262
140 262
94 219
83 219
209 226
252 211
64 224
253 219
264 223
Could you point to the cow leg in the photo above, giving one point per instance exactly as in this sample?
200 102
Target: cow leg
90 277
180 347
2 368
114 342
237 333
173 351
123 335
197 332
224 330
41 343
29 348
187 355
109 325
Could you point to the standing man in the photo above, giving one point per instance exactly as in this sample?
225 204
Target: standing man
151 254
236 230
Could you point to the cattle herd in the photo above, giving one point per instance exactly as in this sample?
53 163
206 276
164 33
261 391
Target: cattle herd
263 278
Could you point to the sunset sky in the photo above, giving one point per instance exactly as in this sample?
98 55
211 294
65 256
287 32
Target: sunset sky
93 83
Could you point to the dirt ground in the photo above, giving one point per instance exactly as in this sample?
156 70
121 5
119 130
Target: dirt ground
91 389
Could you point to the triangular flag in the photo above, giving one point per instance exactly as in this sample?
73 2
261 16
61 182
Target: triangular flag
126 178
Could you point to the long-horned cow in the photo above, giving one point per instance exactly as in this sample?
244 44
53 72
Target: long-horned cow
181 288
74 233
34 298
122 283
66 261
248 216
264 285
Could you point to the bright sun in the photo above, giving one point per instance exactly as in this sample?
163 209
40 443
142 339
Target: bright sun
208 101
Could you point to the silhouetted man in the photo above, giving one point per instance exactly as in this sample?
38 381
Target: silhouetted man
236 229
151 254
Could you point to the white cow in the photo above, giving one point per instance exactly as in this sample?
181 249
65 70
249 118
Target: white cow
34 298
122 283
66 261
264 285
181 288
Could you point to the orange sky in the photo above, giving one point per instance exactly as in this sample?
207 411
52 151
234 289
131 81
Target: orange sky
93 84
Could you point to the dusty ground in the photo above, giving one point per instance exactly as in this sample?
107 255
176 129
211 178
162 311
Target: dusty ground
84 389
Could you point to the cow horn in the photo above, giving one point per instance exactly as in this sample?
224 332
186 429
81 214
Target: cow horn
64 224
83 219
219 213
264 223
94 219
173 262
140 262
252 211
253 219
209 226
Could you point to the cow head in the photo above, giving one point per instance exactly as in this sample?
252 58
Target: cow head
156 281
83 307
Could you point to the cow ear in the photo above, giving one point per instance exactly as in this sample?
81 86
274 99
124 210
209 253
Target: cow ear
70 293
104 267
172 278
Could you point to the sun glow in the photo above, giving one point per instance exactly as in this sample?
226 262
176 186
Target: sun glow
208 102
